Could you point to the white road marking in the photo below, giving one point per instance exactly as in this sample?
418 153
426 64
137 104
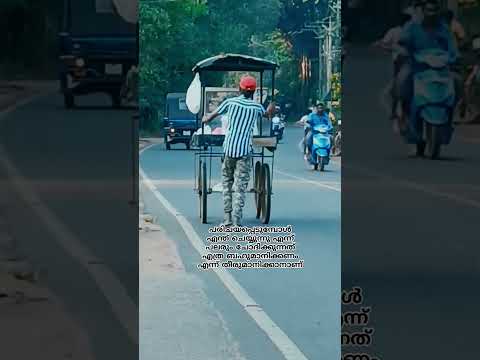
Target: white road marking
286 346
308 181
217 183
468 140
419 187
122 306
414 185
19 104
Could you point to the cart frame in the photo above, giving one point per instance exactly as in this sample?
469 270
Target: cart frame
206 146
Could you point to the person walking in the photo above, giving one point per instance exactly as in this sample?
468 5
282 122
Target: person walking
457 29
302 145
331 116
243 113
467 105
390 43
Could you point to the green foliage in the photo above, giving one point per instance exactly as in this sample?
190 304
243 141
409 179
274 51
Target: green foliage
337 94
28 31
174 35
8 4
232 23
154 40
277 47
336 87
167 37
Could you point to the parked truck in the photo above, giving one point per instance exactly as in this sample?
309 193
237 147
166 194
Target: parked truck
97 50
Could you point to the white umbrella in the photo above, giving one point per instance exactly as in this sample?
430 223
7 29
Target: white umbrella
127 9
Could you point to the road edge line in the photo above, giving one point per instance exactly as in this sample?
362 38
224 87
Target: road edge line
313 182
412 185
109 285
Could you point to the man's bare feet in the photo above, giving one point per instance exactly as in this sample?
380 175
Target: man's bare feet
227 220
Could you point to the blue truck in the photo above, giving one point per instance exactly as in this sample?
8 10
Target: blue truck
179 123
97 49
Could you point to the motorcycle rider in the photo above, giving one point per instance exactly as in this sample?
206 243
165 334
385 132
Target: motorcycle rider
303 122
389 42
277 123
456 28
318 116
400 89
243 113
431 33
129 89
331 116
472 80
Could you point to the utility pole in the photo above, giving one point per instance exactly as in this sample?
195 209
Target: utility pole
334 35
328 33
319 29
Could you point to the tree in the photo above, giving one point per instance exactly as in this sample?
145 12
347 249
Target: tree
29 33
167 35
276 47
174 35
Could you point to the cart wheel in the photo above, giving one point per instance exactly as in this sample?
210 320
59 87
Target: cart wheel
257 186
203 192
266 198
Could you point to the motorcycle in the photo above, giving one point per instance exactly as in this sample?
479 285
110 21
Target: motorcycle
433 101
321 146
278 127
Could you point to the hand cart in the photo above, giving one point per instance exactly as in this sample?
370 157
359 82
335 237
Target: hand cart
208 146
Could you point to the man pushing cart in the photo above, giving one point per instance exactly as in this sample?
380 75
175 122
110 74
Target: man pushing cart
245 147
243 113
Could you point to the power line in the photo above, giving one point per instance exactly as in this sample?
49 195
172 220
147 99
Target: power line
328 33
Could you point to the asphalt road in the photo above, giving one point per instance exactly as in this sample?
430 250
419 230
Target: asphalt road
66 186
303 303
434 199
409 225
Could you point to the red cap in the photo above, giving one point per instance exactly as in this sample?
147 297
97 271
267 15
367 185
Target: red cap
248 83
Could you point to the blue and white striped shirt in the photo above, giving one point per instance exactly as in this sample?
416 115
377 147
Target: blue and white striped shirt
242 116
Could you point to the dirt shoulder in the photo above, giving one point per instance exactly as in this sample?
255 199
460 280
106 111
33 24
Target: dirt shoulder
12 92
34 322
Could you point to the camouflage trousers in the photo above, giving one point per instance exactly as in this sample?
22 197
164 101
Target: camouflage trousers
235 178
